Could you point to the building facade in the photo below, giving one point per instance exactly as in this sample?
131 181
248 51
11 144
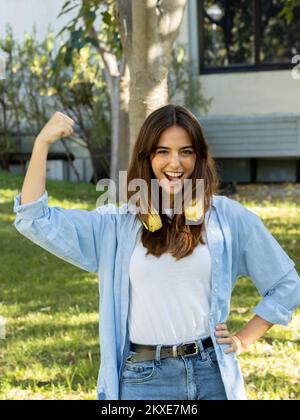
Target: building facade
245 52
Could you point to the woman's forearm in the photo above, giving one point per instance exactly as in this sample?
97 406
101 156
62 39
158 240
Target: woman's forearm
34 185
35 180
253 331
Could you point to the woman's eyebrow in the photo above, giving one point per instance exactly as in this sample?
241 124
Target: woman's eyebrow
181 148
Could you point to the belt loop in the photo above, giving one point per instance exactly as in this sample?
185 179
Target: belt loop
157 354
201 350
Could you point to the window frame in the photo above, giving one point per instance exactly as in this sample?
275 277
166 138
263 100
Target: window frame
236 68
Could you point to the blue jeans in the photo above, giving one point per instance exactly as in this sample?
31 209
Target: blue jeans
182 378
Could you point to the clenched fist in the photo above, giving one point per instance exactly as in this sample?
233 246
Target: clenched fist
57 127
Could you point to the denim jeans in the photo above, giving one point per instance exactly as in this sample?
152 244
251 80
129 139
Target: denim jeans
182 378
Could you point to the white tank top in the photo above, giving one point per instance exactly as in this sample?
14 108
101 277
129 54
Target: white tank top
169 299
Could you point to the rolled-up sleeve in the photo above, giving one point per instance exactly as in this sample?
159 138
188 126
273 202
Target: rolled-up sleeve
273 273
278 304
73 235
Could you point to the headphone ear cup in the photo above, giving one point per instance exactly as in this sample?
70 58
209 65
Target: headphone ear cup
194 213
153 222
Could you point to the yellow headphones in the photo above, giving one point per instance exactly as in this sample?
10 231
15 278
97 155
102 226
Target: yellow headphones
193 213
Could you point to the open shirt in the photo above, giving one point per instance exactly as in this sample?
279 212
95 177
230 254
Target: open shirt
103 240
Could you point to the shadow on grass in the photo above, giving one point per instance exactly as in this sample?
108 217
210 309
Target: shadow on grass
49 329
85 378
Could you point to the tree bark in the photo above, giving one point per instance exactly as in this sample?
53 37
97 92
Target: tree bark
155 26
124 135
124 11
139 85
118 83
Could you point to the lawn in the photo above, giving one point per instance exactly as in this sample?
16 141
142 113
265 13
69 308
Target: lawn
51 308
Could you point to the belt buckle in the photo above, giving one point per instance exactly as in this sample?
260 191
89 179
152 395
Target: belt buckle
195 347
174 351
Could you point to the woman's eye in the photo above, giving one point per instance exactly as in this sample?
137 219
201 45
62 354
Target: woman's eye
184 152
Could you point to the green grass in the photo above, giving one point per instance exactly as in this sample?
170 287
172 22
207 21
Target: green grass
51 349
51 309
271 367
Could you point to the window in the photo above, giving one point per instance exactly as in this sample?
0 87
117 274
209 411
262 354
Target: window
237 35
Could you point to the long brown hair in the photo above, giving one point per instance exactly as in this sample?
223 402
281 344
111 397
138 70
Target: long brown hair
176 237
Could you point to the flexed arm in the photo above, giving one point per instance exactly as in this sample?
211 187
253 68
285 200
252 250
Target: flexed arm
77 236
35 180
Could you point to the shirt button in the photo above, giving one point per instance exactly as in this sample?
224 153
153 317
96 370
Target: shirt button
216 260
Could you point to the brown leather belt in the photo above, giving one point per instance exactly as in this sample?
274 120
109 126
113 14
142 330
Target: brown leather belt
145 353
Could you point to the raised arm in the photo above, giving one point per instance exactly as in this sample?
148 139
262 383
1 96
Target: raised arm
35 180
80 237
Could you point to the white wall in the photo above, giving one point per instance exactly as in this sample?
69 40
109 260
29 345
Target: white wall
23 14
263 92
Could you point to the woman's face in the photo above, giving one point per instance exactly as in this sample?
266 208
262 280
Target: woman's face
173 160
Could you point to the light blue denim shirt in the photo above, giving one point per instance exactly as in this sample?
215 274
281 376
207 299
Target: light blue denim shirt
103 241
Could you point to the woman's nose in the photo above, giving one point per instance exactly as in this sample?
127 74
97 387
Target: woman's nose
175 159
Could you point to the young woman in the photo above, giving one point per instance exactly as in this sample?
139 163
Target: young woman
165 283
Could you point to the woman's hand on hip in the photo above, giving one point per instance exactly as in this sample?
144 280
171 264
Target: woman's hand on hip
224 337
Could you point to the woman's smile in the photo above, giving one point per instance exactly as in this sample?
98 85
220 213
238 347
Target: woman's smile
174 159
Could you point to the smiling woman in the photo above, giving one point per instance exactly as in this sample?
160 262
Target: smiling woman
174 159
165 293
172 149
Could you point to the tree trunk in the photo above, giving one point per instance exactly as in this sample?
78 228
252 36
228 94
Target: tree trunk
118 83
115 109
125 26
155 26
120 125
124 132
70 161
